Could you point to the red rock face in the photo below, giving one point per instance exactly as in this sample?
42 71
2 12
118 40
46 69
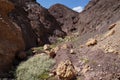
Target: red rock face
65 16
11 39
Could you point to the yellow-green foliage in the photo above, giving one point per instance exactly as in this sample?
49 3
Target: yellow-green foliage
67 39
38 49
36 68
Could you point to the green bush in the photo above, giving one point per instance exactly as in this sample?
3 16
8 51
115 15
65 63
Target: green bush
36 68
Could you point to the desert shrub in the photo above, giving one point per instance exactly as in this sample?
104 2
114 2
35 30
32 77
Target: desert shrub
67 39
35 68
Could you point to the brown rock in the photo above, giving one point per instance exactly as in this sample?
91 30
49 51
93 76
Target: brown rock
72 51
46 47
64 46
65 70
91 42
11 40
81 46
109 49
22 55
56 49
20 17
67 45
50 53
5 7
112 26
109 33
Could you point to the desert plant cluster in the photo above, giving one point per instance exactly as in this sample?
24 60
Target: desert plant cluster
35 68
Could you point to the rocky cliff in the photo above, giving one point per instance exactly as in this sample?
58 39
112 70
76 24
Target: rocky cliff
39 26
11 39
35 25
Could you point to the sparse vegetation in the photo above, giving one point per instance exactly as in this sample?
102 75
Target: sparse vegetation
71 38
67 39
36 68
84 60
37 49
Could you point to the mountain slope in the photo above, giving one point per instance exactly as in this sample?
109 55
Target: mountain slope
98 14
65 16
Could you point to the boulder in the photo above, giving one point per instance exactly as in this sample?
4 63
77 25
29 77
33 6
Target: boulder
65 70
91 42
11 40
46 47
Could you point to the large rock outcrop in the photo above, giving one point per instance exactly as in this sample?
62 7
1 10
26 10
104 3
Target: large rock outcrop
38 25
11 40
20 17
43 23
